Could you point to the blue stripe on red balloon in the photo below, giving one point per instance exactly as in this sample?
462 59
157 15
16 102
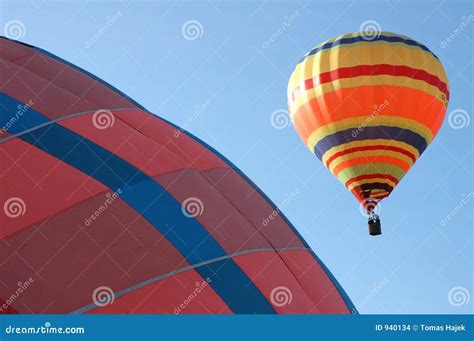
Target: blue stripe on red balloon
144 195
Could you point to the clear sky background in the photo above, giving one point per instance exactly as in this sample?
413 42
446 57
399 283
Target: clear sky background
224 85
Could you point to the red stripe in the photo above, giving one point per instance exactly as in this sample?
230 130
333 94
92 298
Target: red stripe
377 147
374 70
371 176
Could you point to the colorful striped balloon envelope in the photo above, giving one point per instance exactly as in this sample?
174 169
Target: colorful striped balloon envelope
368 105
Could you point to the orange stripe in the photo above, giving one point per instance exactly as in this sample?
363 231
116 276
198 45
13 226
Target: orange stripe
404 102
358 149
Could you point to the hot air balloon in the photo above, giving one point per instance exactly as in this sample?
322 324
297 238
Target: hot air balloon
368 105
107 208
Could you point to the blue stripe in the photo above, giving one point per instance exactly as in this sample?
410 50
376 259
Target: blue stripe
341 291
147 197
370 133
344 41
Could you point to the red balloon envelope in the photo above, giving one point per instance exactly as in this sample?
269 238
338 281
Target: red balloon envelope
107 208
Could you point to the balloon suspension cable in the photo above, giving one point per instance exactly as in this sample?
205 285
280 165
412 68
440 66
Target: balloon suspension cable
375 227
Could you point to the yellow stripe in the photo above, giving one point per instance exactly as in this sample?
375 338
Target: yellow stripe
377 195
345 83
368 154
369 121
369 54
364 143
371 168
377 191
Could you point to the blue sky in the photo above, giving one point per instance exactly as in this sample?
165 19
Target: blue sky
223 85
